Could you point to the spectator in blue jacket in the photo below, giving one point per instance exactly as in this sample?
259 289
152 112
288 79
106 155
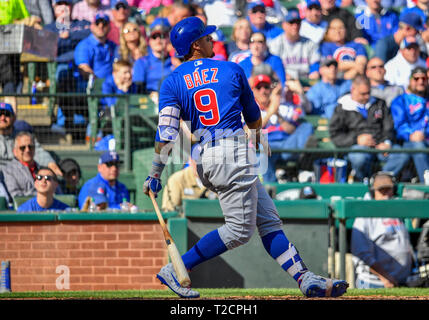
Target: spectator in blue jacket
260 54
257 17
411 118
324 94
45 184
105 188
95 54
149 71
376 22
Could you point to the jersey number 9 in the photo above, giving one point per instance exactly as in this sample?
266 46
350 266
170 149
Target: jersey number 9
205 101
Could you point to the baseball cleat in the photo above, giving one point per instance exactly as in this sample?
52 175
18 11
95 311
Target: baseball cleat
317 286
168 277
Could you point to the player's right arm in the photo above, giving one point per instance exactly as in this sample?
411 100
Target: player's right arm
166 134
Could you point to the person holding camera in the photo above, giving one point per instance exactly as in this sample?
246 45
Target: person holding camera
281 119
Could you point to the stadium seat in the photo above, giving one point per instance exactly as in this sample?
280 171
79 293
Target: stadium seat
143 120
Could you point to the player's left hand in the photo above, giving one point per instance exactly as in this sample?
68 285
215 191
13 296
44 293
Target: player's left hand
152 184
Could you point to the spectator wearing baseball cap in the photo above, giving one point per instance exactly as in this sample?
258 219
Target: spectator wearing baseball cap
376 22
324 95
105 188
95 54
281 119
410 114
256 12
87 10
150 70
313 27
120 12
72 175
398 69
410 24
300 55
8 132
421 9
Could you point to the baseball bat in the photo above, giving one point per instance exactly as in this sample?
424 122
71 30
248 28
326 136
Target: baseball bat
176 258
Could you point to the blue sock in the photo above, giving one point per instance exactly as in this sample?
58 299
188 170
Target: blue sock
284 252
209 246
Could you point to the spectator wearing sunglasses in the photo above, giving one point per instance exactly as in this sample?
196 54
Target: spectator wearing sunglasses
105 188
153 68
45 184
257 17
300 55
88 10
380 88
132 43
20 173
95 54
8 132
260 54
410 116
281 119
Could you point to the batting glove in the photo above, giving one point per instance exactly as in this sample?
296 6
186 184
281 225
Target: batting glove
153 181
152 184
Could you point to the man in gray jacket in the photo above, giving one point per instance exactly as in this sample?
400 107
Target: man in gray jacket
19 173
7 137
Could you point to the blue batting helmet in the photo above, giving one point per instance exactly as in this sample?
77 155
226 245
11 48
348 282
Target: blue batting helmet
186 32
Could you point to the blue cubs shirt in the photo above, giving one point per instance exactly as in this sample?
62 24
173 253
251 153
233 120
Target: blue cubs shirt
31 205
100 189
410 113
347 52
211 95
274 61
152 71
97 55
109 87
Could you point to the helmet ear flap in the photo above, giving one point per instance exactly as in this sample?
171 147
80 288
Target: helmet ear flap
186 32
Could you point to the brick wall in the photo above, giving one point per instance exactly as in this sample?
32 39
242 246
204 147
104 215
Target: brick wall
100 255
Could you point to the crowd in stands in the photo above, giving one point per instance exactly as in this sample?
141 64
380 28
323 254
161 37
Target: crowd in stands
360 64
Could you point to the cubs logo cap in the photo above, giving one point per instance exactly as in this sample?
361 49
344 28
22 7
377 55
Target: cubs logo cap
109 156
6 106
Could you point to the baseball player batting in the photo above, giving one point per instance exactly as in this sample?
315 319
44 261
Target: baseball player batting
213 96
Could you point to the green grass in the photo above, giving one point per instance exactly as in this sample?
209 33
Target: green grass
206 293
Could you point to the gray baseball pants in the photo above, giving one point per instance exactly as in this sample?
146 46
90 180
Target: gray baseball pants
229 169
